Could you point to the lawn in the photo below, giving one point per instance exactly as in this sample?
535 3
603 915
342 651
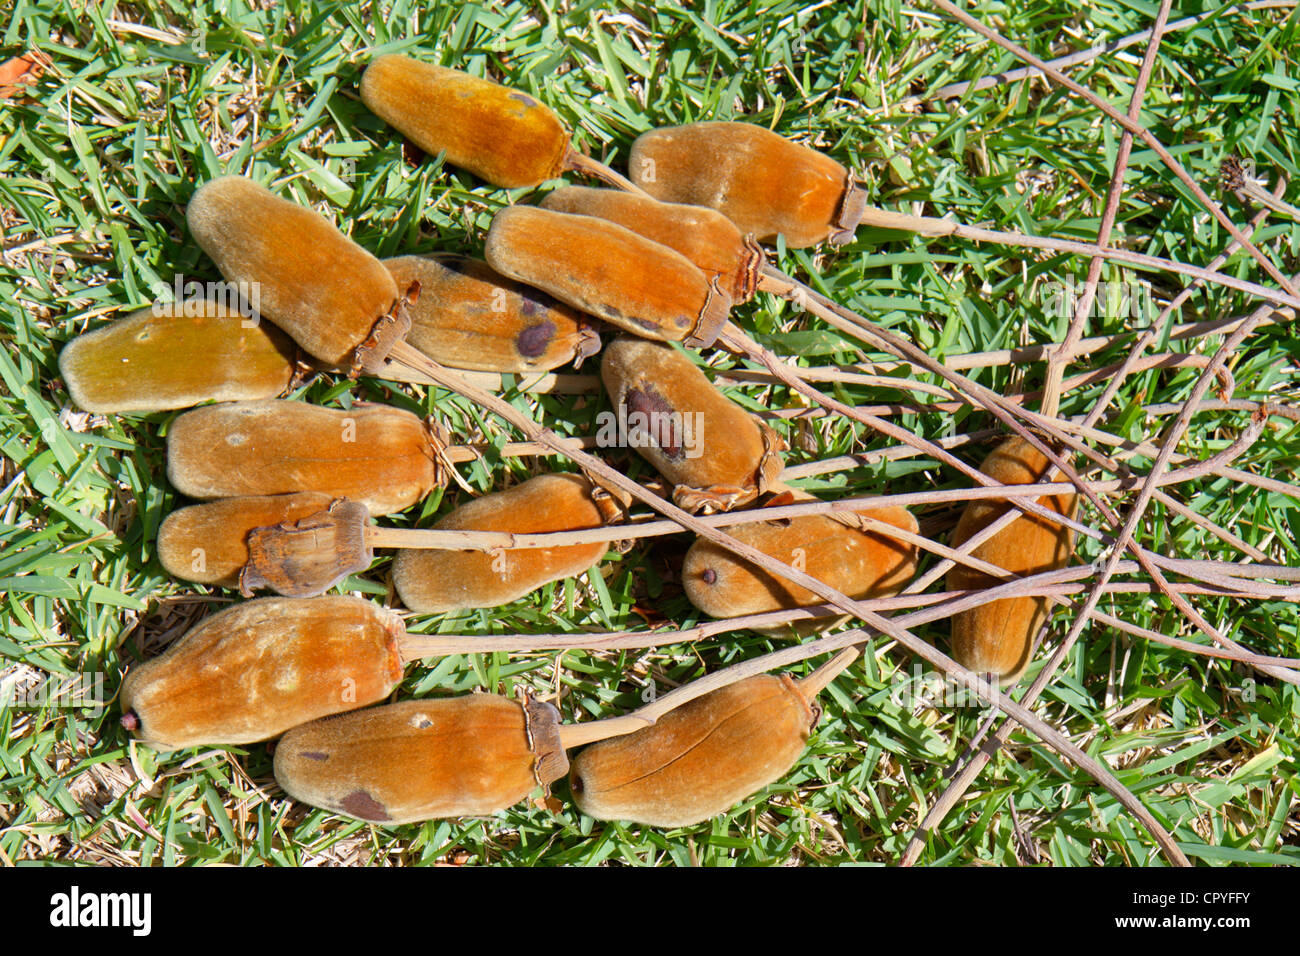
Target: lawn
141 103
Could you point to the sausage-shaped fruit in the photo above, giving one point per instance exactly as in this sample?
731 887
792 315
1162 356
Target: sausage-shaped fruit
470 317
716 454
500 135
700 759
384 458
335 299
424 759
174 355
609 271
997 638
861 564
705 236
762 182
254 670
318 541
436 581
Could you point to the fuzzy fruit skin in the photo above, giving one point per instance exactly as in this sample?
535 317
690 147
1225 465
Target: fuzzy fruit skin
174 355
997 638
736 457
500 135
430 581
704 236
610 272
762 182
858 563
256 669
219 530
315 283
423 759
469 316
699 759
379 456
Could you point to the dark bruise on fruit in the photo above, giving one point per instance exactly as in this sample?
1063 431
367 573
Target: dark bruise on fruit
254 670
430 581
698 760
424 759
704 236
717 455
469 316
500 135
997 637
146 360
381 457
602 268
330 295
765 184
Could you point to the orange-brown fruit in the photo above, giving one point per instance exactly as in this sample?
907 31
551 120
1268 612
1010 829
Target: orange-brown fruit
861 564
254 670
717 455
434 581
470 317
609 271
384 458
500 135
997 638
315 542
336 300
705 236
423 759
174 355
699 759
762 182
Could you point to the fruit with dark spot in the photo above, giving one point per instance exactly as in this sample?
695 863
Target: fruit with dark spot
717 455
254 670
704 236
765 184
502 136
335 299
609 271
384 458
997 638
174 355
431 581
700 759
424 759
861 564
471 317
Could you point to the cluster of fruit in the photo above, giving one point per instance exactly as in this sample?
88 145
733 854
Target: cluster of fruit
288 489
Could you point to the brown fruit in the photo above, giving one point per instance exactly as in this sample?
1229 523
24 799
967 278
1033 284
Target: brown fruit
997 638
436 581
763 183
470 317
318 542
381 457
861 564
336 300
174 355
716 454
423 759
500 135
699 759
254 670
704 236
608 271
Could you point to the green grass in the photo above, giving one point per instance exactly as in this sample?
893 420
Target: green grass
96 167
